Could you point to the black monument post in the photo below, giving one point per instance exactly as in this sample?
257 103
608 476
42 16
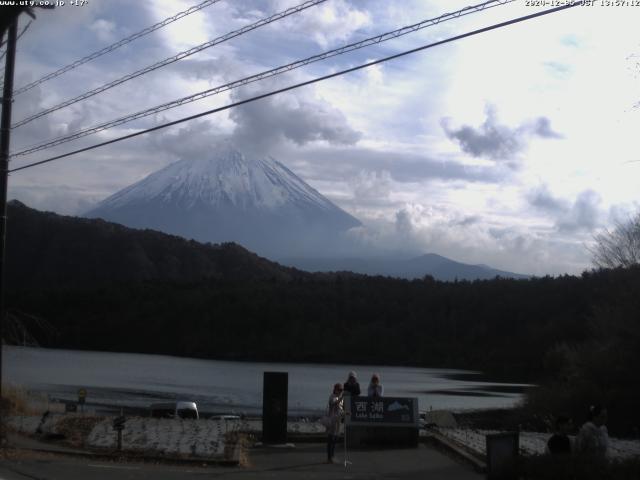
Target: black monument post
275 391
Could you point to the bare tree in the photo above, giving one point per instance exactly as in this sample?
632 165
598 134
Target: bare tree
619 247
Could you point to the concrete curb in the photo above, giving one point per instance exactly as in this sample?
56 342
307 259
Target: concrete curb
457 449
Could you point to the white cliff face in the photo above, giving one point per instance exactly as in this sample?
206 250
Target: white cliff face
228 197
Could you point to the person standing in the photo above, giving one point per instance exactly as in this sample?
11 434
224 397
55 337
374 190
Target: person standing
375 387
593 437
560 443
351 386
334 414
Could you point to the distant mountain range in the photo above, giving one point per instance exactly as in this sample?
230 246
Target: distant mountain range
440 268
256 202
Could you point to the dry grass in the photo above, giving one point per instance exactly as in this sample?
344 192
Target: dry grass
239 440
76 429
19 401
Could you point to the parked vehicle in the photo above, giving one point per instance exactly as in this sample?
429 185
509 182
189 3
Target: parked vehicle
175 410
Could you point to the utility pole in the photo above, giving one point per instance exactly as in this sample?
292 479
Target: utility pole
8 23
5 136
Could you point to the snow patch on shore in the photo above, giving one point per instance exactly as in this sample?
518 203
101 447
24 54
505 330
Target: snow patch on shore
533 443
194 438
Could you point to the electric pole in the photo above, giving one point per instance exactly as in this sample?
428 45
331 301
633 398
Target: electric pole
5 136
9 24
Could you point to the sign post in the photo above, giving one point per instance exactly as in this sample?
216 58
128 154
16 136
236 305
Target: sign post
118 426
82 395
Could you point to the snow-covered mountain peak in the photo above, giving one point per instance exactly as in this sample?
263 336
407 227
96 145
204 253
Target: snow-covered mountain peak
227 196
226 177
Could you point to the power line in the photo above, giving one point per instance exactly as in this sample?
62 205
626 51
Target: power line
116 45
175 58
266 74
302 84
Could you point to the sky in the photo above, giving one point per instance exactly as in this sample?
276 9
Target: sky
511 148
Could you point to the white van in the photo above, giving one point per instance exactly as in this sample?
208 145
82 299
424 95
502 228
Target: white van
175 410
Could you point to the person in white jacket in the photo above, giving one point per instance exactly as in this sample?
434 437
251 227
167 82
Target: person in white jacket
335 411
593 437
375 387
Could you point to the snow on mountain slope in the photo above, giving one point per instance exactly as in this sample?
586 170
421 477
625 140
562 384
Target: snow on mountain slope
258 203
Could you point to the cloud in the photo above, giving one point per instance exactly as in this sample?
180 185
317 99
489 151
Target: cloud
191 141
404 167
104 30
468 220
372 185
543 199
490 140
408 219
542 128
495 141
416 229
332 22
584 214
296 117
64 200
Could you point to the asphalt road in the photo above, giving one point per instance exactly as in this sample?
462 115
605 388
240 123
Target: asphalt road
303 462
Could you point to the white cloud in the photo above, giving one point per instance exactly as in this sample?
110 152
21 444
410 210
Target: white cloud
331 22
104 30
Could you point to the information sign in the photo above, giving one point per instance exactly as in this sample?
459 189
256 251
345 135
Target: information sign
383 411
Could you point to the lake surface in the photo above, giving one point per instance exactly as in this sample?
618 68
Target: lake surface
134 381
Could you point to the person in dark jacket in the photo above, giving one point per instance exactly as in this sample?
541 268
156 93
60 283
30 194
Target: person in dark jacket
351 386
560 443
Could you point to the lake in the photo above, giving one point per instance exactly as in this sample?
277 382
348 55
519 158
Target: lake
134 381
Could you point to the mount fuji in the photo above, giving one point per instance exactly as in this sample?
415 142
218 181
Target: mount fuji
227 197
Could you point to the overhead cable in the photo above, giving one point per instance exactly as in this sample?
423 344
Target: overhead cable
170 60
116 45
302 84
263 75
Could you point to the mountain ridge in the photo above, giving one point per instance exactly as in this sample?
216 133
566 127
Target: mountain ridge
46 249
439 267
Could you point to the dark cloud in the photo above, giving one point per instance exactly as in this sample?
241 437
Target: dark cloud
584 214
495 141
296 117
543 199
542 128
490 140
